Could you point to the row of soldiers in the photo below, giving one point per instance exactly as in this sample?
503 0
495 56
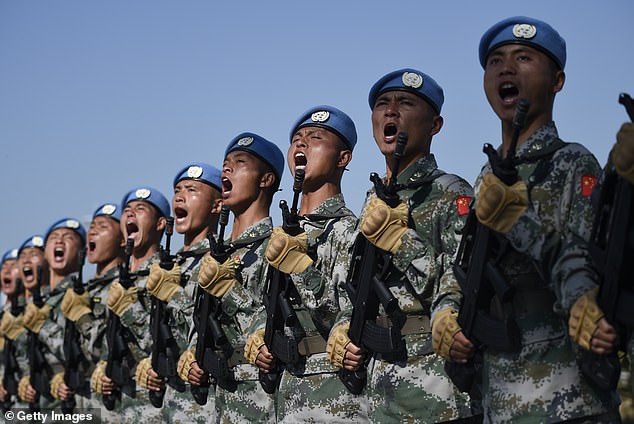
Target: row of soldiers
385 318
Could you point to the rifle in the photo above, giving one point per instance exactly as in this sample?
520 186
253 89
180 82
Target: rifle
611 244
165 350
281 290
475 269
75 378
207 313
40 371
366 285
12 372
120 361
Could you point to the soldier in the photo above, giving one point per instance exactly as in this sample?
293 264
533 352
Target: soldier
62 243
13 362
196 206
322 140
422 234
143 219
251 175
547 262
88 311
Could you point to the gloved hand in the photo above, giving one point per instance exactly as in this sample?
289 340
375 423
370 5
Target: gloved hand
252 347
141 374
10 326
34 317
23 386
95 379
584 318
56 382
498 205
75 306
288 253
384 226
185 362
623 152
215 278
336 344
120 299
443 329
162 283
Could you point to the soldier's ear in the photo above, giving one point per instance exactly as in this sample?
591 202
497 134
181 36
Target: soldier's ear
437 125
161 224
216 206
267 180
560 79
345 156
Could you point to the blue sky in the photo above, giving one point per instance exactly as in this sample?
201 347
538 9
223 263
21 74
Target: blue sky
97 97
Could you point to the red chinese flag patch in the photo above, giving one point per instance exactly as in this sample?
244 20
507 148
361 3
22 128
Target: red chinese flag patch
588 182
462 203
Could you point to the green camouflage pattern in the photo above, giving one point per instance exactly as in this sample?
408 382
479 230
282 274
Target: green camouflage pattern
542 381
415 388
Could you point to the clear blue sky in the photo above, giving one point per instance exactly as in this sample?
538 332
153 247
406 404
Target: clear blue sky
99 96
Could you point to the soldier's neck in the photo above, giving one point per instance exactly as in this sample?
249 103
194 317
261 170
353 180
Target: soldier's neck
250 216
141 255
311 199
194 237
104 267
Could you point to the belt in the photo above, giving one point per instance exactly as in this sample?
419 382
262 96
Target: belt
414 324
237 357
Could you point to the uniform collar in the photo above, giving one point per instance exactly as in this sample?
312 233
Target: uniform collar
420 169
260 230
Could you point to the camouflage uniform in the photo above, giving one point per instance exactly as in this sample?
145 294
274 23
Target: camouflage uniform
550 269
92 330
180 407
136 320
20 347
243 399
311 390
412 386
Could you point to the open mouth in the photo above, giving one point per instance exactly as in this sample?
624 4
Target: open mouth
226 187
508 92
180 213
390 131
91 246
28 273
58 254
300 160
6 281
131 228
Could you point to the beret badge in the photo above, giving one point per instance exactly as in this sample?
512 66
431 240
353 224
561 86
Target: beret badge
37 241
245 141
526 31
320 116
108 209
412 79
194 172
142 193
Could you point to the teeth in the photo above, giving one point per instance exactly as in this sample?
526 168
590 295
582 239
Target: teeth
300 154
507 85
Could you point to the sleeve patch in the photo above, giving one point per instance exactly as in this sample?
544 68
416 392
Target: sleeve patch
588 182
462 204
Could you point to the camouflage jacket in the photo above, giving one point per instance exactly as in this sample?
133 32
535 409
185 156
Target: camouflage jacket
329 228
422 265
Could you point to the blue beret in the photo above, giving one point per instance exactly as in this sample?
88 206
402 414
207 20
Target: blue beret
70 223
33 241
410 80
9 255
199 171
330 118
110 210
260 147
522 30
149 195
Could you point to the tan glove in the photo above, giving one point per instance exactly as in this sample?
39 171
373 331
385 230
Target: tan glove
623 152
384 226
584 317
95 379
120 299
216 279
185 362
162 283
34 317
56 383
336 345
498 205
75 306
288 253
443 328
10 326
141 374
252 347
23 385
